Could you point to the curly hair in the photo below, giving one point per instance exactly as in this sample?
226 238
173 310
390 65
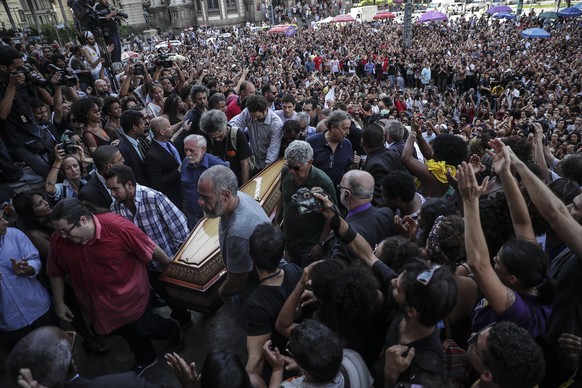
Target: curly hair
520 147
495 221
396 251
513 356
446 241
82 107
449 148
323 278
353 304
398 184
431 209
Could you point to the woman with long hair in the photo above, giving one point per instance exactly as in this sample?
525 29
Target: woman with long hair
518 287
71 169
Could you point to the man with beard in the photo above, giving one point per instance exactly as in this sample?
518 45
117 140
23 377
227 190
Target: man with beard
239 215
199 95
156 216
196 162
421 297
105 257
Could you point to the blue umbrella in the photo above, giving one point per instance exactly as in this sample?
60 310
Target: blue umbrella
579 6
504 15
570 12
535 33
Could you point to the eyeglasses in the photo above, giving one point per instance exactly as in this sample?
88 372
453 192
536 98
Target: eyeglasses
475 336
67 232
294 168
425 276
340 187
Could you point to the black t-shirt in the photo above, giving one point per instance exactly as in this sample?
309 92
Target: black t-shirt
225 150
265 303
428 363
20 126
566 316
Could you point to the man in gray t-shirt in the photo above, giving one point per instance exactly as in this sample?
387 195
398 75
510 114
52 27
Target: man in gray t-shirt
239 215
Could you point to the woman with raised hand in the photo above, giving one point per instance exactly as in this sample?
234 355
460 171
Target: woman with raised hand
518 287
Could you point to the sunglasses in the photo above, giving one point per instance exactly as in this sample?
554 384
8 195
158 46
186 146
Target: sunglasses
425 277
294 168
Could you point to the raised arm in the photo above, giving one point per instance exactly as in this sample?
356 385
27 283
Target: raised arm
416 167
539 152
551 207
517 206
497 294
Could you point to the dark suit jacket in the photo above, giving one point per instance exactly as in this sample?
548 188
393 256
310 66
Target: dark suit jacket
127 379
133 160
374 224
379 163
163 174
95 193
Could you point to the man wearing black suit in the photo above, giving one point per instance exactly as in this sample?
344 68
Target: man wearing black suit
133 145
163 162
374 224
47 354
379 161
95 192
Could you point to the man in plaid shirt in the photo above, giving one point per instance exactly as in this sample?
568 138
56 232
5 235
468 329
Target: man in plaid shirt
156 216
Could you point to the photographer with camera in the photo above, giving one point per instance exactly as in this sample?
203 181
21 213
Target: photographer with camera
305 229
77 63
68 158
24 138
108 17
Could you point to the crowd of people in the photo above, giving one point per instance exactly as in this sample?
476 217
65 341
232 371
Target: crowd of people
427 232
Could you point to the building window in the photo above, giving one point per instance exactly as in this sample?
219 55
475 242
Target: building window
213 5
231 5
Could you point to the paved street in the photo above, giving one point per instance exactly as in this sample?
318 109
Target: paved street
207 332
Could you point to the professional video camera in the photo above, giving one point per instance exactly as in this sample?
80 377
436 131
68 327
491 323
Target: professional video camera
99 17
102 14
165 59
31 75
68 78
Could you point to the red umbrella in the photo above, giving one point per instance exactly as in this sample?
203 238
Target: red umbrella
280 28
384 15
343 19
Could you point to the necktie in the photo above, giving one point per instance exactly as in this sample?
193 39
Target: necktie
172 152
143 146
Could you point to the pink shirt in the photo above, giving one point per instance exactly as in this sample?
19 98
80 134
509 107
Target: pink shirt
108 273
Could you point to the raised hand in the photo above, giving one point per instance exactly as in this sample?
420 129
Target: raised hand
468 187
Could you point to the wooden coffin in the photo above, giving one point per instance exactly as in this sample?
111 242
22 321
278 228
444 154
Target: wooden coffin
196 272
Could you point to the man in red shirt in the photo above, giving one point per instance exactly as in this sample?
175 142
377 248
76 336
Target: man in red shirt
105 257
247 89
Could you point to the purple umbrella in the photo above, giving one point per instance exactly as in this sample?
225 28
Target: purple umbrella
431 16
499 8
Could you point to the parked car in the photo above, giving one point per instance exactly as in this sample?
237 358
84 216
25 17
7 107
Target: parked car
165 44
